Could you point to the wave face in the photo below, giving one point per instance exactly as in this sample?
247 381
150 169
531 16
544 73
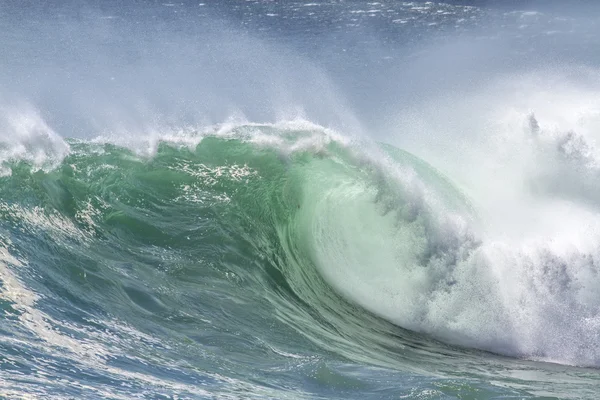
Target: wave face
191 270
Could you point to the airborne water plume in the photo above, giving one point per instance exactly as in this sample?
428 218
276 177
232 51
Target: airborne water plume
299 200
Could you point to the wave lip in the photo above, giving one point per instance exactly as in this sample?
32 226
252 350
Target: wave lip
408 256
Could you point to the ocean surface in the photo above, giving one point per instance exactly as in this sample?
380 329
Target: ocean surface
299 200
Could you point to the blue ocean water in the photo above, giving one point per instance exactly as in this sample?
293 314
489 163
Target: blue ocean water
296 199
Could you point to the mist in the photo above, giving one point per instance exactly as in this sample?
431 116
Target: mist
435 86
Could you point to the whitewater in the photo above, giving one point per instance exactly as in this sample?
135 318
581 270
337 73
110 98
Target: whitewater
297 200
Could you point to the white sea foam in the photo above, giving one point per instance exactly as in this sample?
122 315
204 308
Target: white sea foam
24 135
521 277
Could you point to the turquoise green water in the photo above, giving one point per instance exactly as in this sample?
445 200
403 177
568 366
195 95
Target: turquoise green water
231 268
